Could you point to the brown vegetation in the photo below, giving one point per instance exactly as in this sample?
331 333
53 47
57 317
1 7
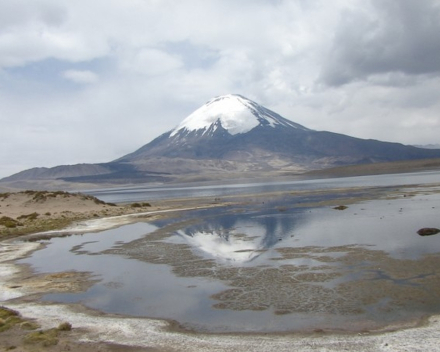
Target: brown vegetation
8 318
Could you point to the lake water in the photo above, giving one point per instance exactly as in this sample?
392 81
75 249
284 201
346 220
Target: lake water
288 263
149 193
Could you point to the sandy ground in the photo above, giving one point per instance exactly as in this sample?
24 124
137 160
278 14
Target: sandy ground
93 331
30 212
37 211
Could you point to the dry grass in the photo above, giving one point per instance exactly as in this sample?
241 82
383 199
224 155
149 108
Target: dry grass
8 318
44 338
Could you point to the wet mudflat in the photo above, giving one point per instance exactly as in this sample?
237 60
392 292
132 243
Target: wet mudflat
285 262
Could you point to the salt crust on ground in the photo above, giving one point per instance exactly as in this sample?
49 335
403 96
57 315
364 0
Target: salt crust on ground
9 252
154 333
109 222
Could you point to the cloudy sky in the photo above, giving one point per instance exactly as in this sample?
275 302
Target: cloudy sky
89 81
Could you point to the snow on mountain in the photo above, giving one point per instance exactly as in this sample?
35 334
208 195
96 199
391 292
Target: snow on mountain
234 113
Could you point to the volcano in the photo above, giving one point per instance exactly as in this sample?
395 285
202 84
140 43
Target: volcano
233 128
232 136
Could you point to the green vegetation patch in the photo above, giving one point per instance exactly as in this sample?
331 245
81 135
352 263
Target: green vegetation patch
29 325
65 326
31 217
4 195
44 338
9 222
48 337
140 205
39 225
8 318
95 200
42 196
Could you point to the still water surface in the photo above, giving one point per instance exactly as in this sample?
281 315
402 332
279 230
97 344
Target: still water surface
272 266
142 193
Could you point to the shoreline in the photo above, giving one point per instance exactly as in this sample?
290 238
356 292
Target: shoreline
91 327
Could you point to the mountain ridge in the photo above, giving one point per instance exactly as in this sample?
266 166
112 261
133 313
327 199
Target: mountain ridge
231 136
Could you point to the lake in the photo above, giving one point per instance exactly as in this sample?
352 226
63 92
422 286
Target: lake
290 262
149 193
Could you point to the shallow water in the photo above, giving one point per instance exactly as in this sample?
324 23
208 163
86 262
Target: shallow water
277 265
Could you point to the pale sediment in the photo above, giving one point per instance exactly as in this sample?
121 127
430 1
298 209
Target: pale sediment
156 334
9 271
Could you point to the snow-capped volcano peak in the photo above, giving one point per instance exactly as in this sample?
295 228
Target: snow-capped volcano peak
234 113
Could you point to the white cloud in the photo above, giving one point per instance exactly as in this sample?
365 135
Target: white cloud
151 62
81 76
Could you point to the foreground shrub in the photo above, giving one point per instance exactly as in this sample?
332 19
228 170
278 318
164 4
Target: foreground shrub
44 338
32 216
9 222
8 318
140 205
65 326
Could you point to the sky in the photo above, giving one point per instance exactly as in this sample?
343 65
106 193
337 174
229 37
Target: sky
90 81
